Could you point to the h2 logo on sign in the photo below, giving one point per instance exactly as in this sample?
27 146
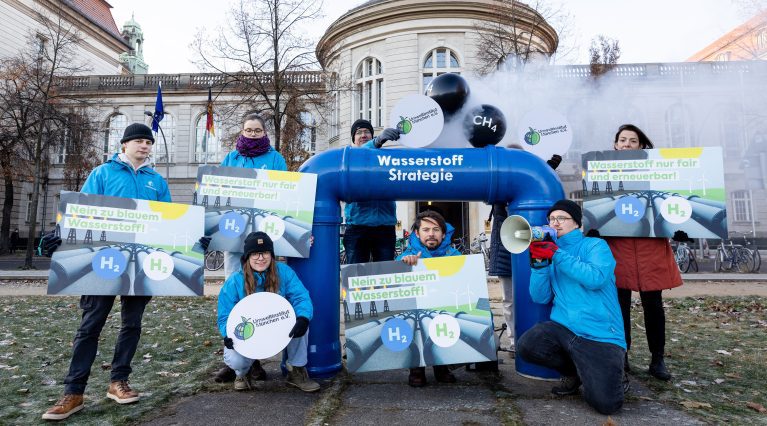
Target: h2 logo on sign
396 334
109 263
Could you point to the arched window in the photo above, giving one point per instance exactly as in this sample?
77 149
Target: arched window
168 125
723 57
679 129
369 81
115 127
208 149
308 132
439 61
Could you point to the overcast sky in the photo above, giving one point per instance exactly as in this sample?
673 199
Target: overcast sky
648 30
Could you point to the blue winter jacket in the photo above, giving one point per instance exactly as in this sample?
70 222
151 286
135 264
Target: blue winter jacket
291 288
371 213
581 282
414 246
118 179
271 160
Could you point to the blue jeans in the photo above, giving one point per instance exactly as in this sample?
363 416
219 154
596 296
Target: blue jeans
363 242
95 312
296 351
599 365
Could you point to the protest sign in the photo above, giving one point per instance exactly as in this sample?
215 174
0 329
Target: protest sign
125 246
655 192
435 313
259 325
239 201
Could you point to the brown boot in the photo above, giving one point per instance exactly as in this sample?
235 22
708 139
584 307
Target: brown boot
256 371
299 377
65 407
417 377
224 375
443 375
121 392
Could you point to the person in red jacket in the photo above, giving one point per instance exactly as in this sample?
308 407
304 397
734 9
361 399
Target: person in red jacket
647 266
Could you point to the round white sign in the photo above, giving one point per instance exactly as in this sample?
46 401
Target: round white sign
545 132
419 119
444 330
274 226
675 209
259 325
158 265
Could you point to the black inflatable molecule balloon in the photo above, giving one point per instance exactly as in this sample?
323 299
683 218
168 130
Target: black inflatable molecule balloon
484 125
450 91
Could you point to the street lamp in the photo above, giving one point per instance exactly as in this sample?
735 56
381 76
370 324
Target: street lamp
165 143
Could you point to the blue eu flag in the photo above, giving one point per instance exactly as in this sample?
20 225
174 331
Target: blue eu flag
159 111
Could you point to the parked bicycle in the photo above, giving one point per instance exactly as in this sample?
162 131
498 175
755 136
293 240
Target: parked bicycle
214 260
460 245
479 245
754 250
401 244
731 256
685 258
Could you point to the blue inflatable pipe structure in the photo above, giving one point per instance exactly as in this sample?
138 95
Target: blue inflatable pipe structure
489 174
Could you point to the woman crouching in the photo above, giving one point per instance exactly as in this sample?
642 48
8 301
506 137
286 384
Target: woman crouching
261 272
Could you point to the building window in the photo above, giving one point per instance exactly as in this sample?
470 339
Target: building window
439 61
56 201
335 115
731 130
308 132
207 149
723 57
369 80
115 128
168 125
63 140
679 128
741 206
28 217
761 39
577 196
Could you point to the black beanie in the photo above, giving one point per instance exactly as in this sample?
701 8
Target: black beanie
257 242
570 207
137 131
361 124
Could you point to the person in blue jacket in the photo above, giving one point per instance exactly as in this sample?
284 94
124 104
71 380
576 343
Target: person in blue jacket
430 237
261 272
127 174
254 151
584 338
370 230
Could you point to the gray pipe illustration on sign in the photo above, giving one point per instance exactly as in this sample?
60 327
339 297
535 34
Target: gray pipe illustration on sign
293 243
70 266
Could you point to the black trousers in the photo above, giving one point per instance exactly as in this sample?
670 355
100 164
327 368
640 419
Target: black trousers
95 312
654 318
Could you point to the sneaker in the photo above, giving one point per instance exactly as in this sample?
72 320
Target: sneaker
443 375
224 375
417 377
257 372
65 407
242 383
568 385
299 377
121 392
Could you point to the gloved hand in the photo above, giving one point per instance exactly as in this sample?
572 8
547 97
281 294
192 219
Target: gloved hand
542 249
48 244
593 233
302 324
205 242
228 343
388 134
554 161
681 237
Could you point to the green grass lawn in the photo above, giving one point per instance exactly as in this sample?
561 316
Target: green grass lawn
716 350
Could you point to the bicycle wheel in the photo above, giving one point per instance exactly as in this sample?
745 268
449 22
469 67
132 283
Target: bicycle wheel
744 259
725 257
214 260
757 260
683 258
693 262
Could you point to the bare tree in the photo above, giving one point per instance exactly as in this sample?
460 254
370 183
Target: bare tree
265 55
50 56
81 154
517 33
604 53
297 133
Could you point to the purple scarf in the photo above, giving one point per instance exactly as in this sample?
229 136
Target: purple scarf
249 147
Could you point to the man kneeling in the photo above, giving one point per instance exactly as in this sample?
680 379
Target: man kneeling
584 339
